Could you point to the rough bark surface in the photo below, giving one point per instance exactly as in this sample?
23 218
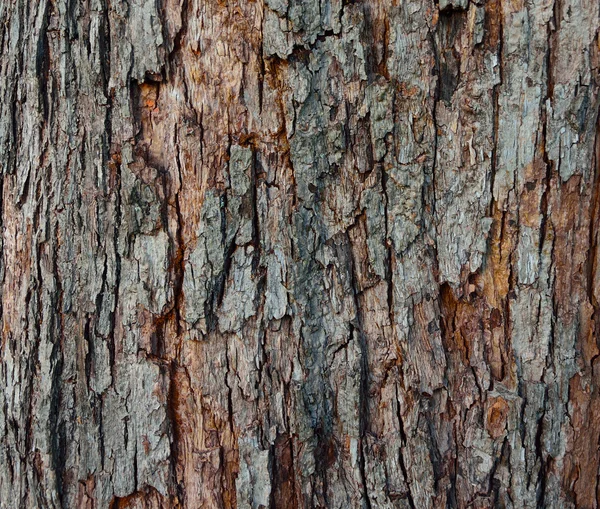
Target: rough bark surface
299 253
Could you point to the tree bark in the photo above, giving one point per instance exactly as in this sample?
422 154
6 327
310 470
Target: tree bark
299 253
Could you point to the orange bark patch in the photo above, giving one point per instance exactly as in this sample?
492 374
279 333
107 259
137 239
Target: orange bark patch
148 498
496 417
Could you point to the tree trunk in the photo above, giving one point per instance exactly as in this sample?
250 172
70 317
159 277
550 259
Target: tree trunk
299 253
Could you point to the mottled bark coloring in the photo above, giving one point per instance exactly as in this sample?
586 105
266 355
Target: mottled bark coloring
299 254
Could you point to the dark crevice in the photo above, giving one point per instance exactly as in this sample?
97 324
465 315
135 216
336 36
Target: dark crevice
450 24
496 127
178 245
56 328
364 373
539 451
42 64
407 480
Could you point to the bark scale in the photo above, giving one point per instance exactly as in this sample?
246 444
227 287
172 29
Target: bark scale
291 253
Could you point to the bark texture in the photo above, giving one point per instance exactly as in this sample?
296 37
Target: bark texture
299 253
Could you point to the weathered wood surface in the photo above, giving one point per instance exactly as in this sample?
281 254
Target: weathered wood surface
299 253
